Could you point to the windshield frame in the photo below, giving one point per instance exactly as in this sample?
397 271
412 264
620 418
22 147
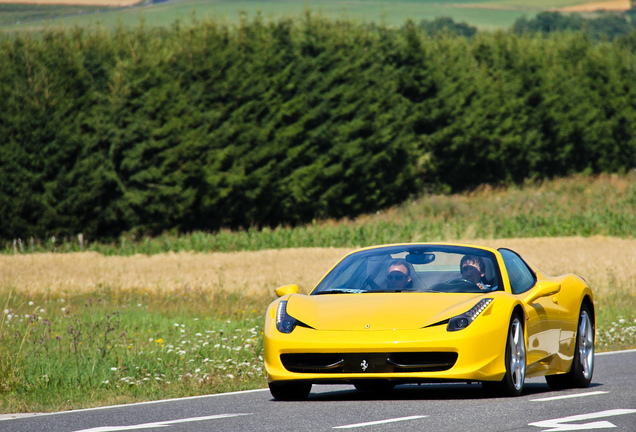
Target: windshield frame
352 263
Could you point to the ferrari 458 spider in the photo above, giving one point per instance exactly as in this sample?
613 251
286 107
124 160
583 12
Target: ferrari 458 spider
413 313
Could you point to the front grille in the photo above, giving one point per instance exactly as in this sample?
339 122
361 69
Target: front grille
369 362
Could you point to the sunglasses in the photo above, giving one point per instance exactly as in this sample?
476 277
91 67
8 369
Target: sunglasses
397 276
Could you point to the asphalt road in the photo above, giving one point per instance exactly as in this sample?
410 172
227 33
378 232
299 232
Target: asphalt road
608 404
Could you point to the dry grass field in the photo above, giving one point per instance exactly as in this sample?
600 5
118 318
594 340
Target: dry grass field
606 263
610 5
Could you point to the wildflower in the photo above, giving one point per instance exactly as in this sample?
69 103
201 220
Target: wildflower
113 369
230 376
31 303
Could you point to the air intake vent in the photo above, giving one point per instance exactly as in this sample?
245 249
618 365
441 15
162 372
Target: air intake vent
329 363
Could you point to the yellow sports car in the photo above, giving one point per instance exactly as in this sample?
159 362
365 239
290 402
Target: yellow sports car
412 313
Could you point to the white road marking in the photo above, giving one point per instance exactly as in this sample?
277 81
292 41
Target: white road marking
569 396
378 422
10 416
159 424
558 426
615 352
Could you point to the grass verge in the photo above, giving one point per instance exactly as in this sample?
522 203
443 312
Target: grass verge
60 353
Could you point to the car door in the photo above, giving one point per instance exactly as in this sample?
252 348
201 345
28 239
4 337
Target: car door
543 323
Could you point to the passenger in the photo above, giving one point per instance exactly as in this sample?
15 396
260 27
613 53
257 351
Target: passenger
398 275
473 269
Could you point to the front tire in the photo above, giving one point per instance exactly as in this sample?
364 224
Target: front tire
289 391
582 369
513 381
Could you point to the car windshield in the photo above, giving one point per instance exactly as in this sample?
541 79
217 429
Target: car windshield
415 268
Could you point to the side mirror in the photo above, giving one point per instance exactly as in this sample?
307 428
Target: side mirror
542 289
287 289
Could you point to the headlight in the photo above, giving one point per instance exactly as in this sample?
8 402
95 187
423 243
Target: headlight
462 321
285 323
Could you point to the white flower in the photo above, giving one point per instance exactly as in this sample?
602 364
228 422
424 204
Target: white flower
31 303
113 369
230 376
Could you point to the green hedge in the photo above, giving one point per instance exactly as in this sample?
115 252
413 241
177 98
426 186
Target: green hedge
203 126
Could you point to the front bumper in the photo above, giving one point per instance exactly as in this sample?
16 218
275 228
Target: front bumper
476 353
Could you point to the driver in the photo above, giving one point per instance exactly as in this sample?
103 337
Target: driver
473 269
398 275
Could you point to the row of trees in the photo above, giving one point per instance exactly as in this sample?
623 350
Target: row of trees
605 26
205 126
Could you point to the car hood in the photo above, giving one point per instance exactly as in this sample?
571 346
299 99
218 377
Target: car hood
378 311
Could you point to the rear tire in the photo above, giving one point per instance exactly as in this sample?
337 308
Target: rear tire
289 391
582 369
513 381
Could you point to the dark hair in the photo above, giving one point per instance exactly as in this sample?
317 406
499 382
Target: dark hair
477 259
402 263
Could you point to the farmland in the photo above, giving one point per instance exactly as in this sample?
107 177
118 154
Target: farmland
485 14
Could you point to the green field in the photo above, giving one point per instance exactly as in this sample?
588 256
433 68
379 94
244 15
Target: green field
484 14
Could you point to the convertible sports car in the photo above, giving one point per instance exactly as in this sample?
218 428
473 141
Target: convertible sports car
412 313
